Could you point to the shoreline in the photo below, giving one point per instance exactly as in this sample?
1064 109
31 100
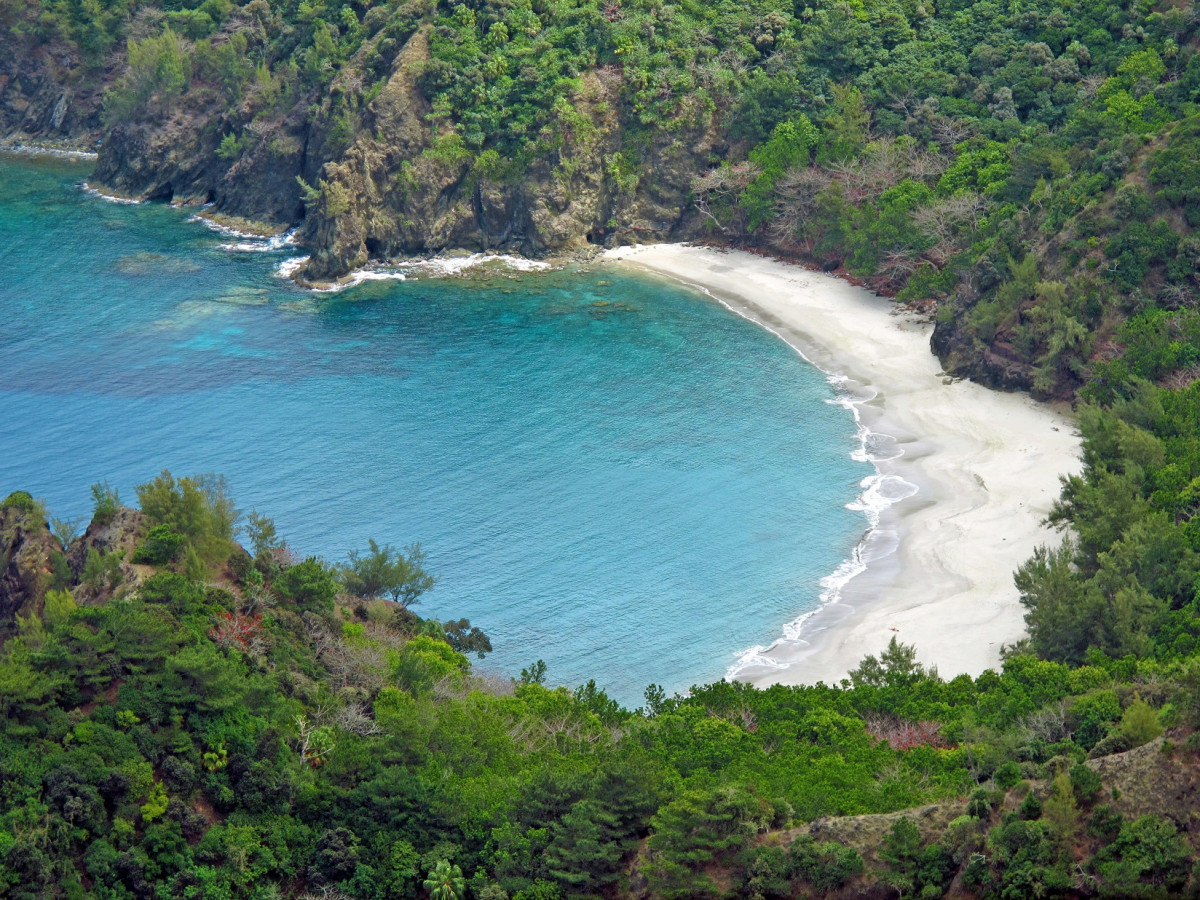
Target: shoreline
62 150
965 474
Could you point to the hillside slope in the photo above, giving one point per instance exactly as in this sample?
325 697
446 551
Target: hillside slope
1029 168
179 717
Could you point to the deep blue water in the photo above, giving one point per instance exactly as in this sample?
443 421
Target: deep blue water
634 491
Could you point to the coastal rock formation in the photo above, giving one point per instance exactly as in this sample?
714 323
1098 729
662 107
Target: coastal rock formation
362 169
26 551
396 191
44 94
120 534
388 185
117 536
31 559
178 161
997 366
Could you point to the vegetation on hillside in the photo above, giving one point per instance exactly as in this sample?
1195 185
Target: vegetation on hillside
183 717
216 722
1028 165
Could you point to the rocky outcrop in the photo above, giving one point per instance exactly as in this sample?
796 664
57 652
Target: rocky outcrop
177 160
1153 780
47 94
31 558
997 366
867 834
117 536
26 551
402 190
385 183
120 534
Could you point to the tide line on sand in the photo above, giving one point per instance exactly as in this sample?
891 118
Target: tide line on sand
965 476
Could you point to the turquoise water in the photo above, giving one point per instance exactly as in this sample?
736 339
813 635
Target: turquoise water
634 492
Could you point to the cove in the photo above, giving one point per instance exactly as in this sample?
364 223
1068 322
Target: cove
608 472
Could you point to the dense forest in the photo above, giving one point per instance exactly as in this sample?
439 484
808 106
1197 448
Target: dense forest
1029 166
185 715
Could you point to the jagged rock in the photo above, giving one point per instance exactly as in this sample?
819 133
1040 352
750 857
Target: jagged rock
44 96
997 367
26 550
121 534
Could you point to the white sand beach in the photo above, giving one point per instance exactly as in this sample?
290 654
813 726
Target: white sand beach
939 566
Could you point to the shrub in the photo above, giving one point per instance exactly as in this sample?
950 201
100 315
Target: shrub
1139 723
825 866
1031 807
160 546
1085 782
20 500
980 805
1007 775
1148 852
102 570
309 585
1105 823
105 503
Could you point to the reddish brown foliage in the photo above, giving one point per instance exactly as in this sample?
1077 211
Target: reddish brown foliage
235 630
903 735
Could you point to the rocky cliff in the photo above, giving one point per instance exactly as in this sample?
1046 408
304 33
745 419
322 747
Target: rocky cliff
363 172
26 556
395 191
47 94
95 566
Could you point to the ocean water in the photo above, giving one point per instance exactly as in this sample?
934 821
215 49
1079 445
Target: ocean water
608 472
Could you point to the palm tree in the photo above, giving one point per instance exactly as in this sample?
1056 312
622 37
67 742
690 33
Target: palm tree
445 882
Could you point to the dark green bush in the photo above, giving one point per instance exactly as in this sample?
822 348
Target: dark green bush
824 866
160 546
20 500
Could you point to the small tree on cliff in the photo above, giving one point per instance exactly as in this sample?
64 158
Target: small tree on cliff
385 571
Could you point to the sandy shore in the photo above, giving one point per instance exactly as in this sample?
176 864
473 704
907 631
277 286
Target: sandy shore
971 474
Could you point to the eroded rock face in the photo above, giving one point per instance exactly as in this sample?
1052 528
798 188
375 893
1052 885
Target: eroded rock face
997 367
43 97
120 535
178 161
386 196
381 184
26 549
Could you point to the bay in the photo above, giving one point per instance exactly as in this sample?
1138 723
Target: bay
608 472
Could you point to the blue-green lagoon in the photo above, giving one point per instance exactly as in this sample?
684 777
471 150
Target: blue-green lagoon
608 472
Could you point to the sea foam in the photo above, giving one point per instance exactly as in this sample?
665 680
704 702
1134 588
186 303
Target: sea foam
108 198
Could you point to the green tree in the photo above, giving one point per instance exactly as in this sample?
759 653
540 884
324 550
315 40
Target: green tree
896 666
1061 812
584 853
310 585
387 571
790 146
445 882
105 503
159 68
